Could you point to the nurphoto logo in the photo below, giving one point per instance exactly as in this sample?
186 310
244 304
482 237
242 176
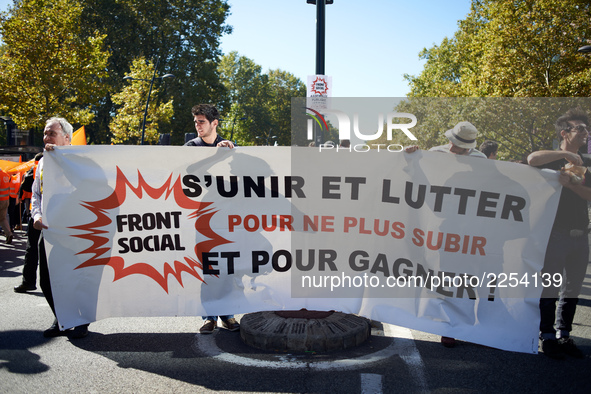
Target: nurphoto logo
344 127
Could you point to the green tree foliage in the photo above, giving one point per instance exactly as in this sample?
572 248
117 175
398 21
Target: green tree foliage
126 124
511 49
282 87
264 99
521 125
47 67
184 34
246 87
506 49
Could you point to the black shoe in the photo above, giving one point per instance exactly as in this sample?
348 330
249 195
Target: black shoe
448 342
231 324
552 349
208 327
24 287
54 331
569 348
79 332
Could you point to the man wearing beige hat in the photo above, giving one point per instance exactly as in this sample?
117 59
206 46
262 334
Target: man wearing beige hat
462 141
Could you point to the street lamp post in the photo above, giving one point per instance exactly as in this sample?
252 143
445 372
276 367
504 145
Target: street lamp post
149 93
320 32
269 136
320 47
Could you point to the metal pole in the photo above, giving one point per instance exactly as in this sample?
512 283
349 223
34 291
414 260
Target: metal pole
320 41
233 124
320 38
148 101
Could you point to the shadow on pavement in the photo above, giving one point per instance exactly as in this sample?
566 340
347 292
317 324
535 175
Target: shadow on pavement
174 356
171 356
15 355
11 256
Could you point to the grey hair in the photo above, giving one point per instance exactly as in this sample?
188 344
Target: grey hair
64 124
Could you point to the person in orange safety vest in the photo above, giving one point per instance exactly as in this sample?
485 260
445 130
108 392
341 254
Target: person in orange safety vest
14 205
4 201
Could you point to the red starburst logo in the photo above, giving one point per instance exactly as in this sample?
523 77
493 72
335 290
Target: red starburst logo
319 86
100 231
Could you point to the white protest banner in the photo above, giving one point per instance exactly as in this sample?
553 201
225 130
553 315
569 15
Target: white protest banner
444 244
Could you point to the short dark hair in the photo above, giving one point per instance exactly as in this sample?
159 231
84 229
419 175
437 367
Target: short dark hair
207 110
489 147
569 116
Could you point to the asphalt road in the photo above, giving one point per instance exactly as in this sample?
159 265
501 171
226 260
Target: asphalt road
154 355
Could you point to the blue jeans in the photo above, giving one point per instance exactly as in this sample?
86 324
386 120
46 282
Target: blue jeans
567 256
215 318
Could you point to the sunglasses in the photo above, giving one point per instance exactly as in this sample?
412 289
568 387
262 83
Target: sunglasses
580 128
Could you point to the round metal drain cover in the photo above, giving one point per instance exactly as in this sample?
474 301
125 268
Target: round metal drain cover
303 330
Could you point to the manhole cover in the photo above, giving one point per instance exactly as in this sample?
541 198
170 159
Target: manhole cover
303 330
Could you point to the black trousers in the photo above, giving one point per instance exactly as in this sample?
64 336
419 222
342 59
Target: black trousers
44 280
44 274
31 255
